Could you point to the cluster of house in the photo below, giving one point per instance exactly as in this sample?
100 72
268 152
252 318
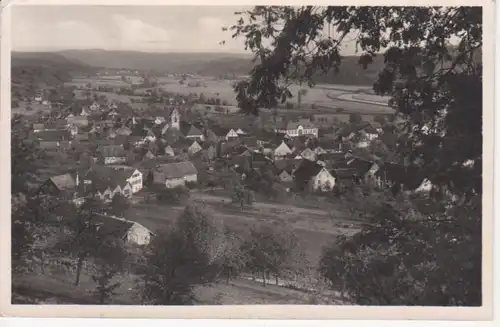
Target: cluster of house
158 147
303 163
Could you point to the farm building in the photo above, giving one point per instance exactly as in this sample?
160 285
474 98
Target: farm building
175 174
298 128
51 139
129 231
310 175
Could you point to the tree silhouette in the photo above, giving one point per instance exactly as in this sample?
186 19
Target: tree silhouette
436 89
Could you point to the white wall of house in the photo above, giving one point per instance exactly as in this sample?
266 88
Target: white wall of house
300 131
136 181
323 181
231 134
114 160
174 182
196 137
138 234
308 154
194 148
282 150
363 144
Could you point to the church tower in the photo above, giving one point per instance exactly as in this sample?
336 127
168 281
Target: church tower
175 118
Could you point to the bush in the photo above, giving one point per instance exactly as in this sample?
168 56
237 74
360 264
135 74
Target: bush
177 195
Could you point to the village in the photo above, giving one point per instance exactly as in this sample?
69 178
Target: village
170 146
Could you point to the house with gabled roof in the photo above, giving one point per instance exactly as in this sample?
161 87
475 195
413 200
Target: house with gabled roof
175 174
312 176
282 151
192 132
298 128
308 154
51 139
365 170
194 148
127 230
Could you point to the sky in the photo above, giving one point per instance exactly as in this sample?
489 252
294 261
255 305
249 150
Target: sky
137 28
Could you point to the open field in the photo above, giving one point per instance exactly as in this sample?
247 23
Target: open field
58 288
327 98
110 96
316 227
22 109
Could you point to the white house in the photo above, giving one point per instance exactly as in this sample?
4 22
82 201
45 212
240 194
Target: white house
299 128
135 180
282 150
314 176
323 180
232 134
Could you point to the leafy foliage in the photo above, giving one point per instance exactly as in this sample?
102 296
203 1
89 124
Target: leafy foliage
436 86
273 250
404 257
181 258
119 205
433 73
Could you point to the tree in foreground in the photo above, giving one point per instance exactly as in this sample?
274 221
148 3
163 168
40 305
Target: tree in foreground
234 259
119 205
109 256
431 68
404 256
183 257
272 251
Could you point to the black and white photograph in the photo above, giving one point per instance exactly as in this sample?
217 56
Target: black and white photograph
200 155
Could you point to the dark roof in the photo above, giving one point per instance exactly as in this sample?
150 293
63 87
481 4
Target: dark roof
306 170
360 165
287 164
103 177
370 130
219 130
336 156
176 169
194 131
112 227
111 150
53 135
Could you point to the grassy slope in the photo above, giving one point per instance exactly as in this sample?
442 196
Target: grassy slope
30 71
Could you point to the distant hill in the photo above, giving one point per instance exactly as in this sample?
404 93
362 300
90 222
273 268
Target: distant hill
211 64
33 70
